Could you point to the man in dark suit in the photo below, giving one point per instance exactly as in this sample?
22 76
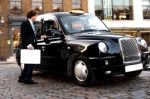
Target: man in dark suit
28 41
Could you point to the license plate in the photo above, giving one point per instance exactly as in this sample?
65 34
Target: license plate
135 67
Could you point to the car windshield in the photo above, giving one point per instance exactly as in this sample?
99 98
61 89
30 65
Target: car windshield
82 24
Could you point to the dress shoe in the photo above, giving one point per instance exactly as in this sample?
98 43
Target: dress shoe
21 81
29 82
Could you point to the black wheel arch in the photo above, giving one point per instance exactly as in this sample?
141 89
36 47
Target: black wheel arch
69 62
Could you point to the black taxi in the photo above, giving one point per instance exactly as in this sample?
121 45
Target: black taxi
82 46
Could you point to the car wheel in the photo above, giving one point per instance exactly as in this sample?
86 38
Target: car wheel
82 71
133 74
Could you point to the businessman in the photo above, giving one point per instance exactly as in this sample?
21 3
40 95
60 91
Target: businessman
28 41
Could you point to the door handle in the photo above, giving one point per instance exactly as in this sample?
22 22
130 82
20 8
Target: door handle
43 48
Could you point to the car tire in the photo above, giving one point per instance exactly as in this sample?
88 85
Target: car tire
82 72
133 74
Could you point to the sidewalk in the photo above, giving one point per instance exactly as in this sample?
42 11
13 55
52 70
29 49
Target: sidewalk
11 60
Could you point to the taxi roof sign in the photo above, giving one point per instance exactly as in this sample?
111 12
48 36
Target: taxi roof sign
76 12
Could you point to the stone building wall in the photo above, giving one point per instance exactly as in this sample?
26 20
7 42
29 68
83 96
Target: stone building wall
13 19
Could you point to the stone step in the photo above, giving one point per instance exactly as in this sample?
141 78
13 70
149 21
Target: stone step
11 59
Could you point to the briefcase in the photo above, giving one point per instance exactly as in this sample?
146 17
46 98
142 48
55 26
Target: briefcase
30 56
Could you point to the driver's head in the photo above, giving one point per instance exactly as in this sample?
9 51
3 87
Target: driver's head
77 25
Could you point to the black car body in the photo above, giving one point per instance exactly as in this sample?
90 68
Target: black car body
81 45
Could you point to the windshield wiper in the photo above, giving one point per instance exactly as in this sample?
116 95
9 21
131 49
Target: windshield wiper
89 30
105 30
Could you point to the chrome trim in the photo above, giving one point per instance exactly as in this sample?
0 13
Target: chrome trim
129 50
80 70
146 52
109 57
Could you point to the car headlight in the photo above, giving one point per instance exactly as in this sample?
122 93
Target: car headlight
142 42
102 47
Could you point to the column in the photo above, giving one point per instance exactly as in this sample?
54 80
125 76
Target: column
137 10
91 8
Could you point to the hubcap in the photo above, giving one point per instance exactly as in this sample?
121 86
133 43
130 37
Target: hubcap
80 70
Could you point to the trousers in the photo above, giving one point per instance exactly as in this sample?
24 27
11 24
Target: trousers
26 73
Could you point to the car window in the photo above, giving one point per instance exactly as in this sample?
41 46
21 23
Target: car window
38 28
78 24
45 27
50 24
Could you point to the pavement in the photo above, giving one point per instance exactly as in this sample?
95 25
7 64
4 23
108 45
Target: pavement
57 86
10 60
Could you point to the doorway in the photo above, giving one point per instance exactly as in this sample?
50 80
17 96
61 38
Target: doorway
15 38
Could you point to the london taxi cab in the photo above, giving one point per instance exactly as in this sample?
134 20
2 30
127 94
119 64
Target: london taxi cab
82 46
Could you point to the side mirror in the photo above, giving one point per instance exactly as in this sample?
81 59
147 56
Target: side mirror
53 33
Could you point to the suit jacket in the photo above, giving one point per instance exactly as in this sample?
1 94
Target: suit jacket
27 35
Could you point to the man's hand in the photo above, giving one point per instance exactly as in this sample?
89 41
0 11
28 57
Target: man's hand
30 47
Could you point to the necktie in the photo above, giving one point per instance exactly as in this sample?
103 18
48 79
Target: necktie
33 28
34 31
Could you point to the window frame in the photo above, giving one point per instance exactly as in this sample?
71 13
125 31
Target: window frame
125 13
36 6
15 6
146 14
57 5
76 4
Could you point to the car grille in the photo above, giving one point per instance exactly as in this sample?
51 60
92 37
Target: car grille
130 50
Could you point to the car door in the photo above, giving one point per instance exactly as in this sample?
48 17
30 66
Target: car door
51 46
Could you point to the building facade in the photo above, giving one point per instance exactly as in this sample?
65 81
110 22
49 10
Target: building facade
130 17
13 12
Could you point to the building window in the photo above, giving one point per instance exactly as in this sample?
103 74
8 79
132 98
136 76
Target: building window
146 37
146 9
37 5
99 9
15 5
76 4
114 9
57 5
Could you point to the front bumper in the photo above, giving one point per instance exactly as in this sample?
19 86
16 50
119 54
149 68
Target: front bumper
113 65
